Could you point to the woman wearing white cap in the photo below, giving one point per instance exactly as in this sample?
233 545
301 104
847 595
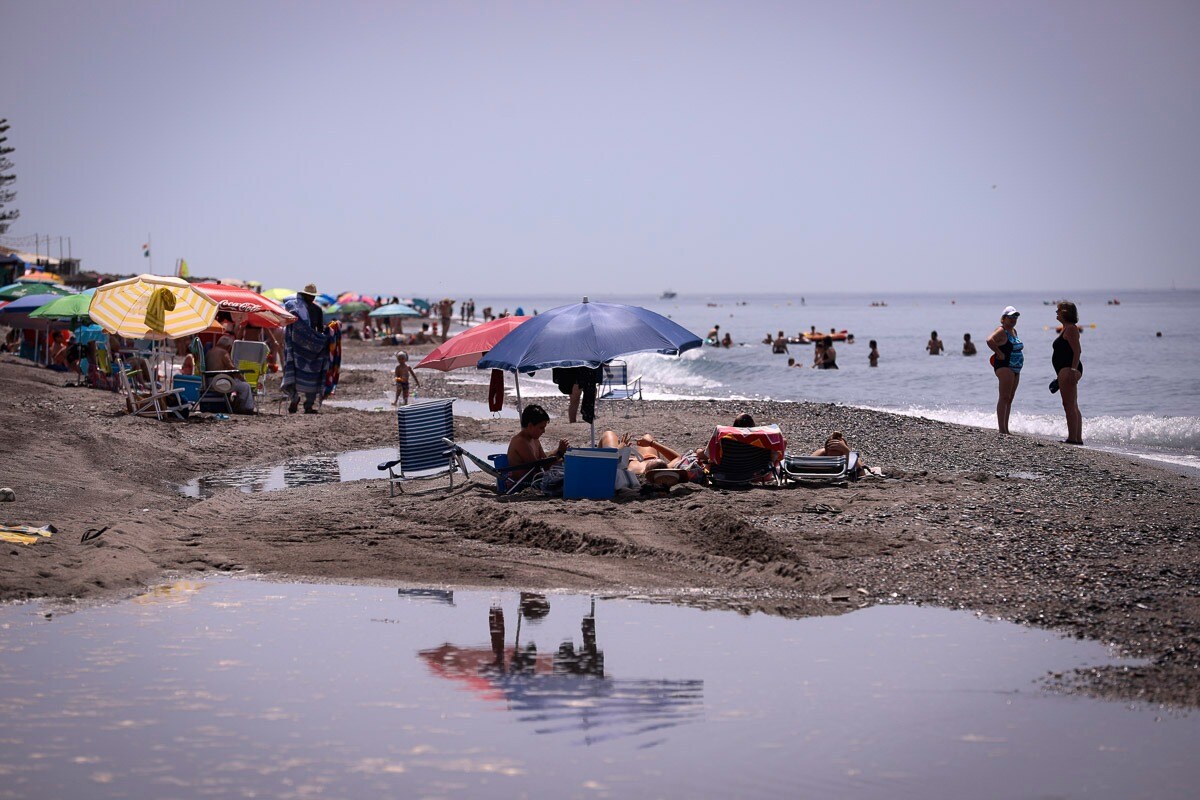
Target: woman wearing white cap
1007 362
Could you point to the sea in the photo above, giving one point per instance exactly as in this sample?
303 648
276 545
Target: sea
1140 393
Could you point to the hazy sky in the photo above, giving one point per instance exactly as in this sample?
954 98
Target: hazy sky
421 148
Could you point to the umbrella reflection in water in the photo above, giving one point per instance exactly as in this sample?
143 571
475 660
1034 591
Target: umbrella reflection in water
566 691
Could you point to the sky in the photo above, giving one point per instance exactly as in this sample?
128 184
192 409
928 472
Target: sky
469 148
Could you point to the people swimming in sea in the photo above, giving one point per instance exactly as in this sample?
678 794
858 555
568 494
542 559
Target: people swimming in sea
935 346
727 341
968 345
780 345
873 356
828 354
768 339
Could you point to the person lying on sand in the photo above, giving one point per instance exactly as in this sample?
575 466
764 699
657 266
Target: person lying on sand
656 464
836 445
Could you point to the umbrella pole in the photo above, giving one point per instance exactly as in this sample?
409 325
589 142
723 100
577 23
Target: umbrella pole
517 380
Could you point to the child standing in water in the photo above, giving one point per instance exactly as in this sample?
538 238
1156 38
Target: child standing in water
873 356
403 373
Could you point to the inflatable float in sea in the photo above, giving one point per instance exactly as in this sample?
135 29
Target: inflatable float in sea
837 336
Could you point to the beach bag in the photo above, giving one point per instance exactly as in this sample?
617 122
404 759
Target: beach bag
550 482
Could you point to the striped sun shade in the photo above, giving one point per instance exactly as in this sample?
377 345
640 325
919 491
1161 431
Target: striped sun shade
120 307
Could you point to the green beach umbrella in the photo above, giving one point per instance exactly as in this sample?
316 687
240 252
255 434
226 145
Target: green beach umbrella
15 290
353 308
74 306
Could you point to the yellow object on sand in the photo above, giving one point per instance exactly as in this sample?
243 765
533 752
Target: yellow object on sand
24 534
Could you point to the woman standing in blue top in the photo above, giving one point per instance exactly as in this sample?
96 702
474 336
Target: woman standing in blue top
1007 362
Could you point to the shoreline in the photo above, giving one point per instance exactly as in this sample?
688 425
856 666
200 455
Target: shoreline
1075 539
1171 460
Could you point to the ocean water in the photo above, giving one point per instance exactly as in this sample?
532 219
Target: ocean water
1140 393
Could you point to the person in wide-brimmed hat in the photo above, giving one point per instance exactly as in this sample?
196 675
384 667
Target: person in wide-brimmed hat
306 350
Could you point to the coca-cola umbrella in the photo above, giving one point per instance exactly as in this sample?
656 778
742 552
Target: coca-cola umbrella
260 311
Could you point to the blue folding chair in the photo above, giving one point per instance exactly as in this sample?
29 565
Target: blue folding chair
422 454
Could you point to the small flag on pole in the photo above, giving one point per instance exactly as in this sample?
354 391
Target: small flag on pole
146 250
183 270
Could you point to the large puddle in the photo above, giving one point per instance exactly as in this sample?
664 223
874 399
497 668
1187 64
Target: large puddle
349 465
244 688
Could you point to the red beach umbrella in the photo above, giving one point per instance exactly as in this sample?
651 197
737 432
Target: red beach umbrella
262 312
466 348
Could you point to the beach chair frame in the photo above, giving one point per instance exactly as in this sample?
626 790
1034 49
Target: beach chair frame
421 431
819 469
499 470
148 401
616 385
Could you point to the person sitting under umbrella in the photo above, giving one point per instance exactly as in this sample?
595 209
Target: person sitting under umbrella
219 359
525 447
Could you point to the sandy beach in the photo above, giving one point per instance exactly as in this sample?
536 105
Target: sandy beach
1072 539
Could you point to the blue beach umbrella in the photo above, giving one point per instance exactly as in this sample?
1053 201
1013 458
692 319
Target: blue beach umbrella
395 310
587 335
17 313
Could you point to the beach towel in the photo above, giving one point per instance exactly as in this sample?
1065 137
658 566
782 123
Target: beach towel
306 352
25 534
768 437
162 301
335 358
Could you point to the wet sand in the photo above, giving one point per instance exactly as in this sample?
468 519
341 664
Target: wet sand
1080 541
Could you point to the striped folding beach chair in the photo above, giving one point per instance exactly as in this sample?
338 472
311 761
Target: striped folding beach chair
421 452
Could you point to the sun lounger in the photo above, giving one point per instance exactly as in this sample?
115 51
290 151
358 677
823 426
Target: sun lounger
744 457
820 469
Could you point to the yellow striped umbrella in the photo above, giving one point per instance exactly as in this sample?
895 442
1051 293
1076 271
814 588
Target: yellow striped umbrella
120 307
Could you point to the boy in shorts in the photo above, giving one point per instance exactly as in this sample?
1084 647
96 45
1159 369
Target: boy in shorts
403 373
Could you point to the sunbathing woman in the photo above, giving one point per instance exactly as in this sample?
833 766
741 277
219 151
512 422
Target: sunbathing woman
656 464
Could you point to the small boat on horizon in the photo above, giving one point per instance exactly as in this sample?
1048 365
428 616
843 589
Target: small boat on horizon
667 295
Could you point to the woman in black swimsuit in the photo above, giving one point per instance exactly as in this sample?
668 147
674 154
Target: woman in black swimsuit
1069 369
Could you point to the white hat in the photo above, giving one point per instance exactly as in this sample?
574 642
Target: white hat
1009 311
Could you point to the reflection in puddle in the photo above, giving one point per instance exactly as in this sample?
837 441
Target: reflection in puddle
462 408
229 688
351 465
565 690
